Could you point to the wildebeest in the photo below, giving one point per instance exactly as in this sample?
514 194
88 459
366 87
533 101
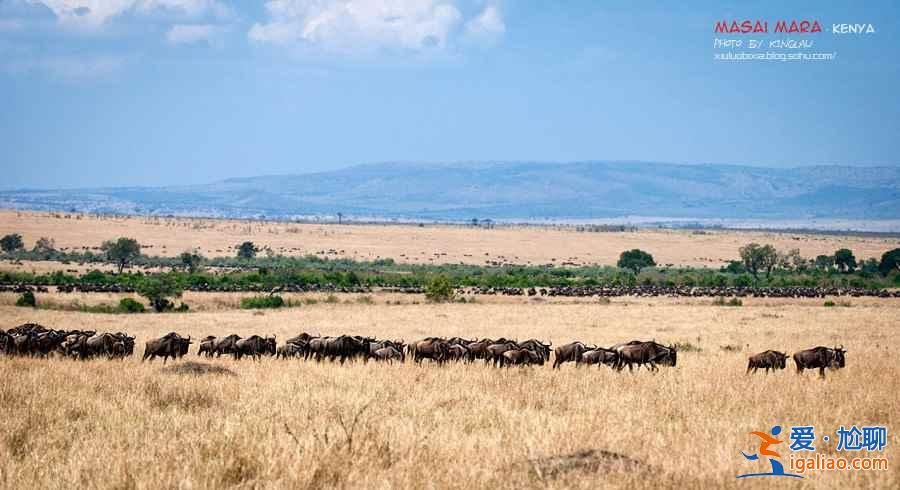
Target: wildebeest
433 348
255 347
170 345
288 350
599 356
495 351
770 359
389 354
537 346
821 358
207 346
457 352
645 354
226 345
520 357
569 353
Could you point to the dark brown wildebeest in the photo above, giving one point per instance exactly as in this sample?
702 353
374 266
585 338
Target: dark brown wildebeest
170 345
433 348
537 346
478 349
5 343
207 346
821 358
343 347
495 352
226 345
520 357
599 356
316 348
569 353
645 354
44 343
457 352
389 354
98 345
375 346
770 359
255 347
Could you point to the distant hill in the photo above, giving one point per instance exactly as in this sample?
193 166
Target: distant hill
511 191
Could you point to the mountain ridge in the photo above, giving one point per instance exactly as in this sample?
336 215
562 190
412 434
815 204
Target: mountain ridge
509 191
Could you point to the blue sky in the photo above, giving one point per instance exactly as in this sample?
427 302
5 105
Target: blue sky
156 92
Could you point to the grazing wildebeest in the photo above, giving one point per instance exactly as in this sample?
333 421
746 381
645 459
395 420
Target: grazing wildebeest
389 354
645 353
821 358
433 348
521 357
770 359
207 346
170 345
569 353
599 356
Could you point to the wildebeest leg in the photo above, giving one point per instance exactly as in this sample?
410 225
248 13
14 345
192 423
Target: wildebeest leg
822 372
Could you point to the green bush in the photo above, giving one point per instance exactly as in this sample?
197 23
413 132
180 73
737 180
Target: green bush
27 299
129 305
830 303
439 290
257 302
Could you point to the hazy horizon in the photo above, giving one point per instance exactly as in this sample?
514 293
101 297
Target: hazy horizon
443 163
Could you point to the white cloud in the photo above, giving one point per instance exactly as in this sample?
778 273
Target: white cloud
362 25
92 14
488 23
193 33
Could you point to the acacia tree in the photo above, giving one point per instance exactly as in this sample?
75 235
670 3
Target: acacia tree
247 250
12 242
635 260
758 257
122 251
191 260
844 260
157 289
890 261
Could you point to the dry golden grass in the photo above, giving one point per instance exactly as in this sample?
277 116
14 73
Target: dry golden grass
408 243
295 424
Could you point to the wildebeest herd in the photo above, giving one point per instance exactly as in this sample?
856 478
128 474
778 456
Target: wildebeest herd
35 340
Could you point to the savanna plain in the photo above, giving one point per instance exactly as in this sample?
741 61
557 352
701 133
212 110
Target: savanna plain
302 424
